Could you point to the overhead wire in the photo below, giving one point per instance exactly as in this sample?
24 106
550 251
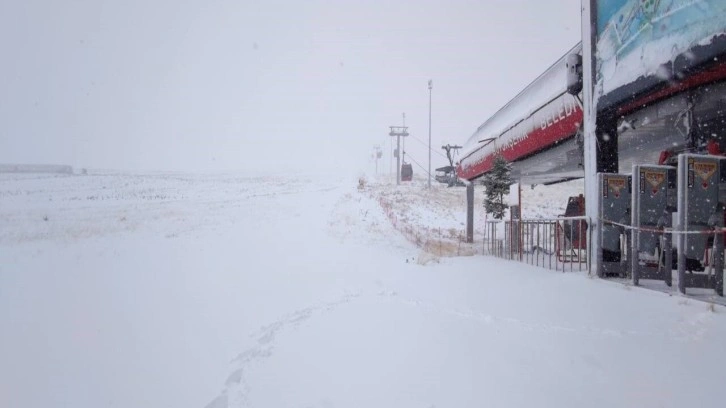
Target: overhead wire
426 145
416 163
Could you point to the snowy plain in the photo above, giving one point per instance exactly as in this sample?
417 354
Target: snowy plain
177 290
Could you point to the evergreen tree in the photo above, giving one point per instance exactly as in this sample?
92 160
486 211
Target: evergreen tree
497 182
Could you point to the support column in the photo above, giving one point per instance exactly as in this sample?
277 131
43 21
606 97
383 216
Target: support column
470 213
398 160
398 132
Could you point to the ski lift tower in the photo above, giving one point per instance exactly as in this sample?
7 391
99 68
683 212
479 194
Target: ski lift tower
449 156
398 132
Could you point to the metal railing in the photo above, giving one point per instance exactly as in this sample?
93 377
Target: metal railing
555 243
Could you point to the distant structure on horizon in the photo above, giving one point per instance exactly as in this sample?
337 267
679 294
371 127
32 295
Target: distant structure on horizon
36 168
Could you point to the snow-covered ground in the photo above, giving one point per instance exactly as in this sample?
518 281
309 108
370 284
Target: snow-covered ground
173 290
435 219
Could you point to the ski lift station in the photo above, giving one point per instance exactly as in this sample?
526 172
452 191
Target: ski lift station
637 109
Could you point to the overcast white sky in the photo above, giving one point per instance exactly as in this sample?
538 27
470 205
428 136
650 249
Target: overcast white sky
269 85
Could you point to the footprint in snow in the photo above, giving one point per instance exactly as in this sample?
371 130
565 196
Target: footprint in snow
235 383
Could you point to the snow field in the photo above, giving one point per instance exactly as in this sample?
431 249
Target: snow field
253 292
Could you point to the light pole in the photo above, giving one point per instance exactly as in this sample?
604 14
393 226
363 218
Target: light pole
430 87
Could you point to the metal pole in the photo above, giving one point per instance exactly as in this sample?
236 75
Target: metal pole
718 259
682 206
470 212
519 198
635 222
519 205
592 199
668 262
430 87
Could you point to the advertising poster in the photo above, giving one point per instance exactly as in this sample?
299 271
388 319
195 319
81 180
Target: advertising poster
635 37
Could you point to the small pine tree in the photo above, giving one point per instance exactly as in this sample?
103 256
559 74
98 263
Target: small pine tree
497 182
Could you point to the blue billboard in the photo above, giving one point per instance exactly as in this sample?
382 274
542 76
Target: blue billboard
634 38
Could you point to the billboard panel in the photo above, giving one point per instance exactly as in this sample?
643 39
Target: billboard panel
634 38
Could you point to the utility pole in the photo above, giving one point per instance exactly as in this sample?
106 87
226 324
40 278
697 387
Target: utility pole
430 87
398 131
